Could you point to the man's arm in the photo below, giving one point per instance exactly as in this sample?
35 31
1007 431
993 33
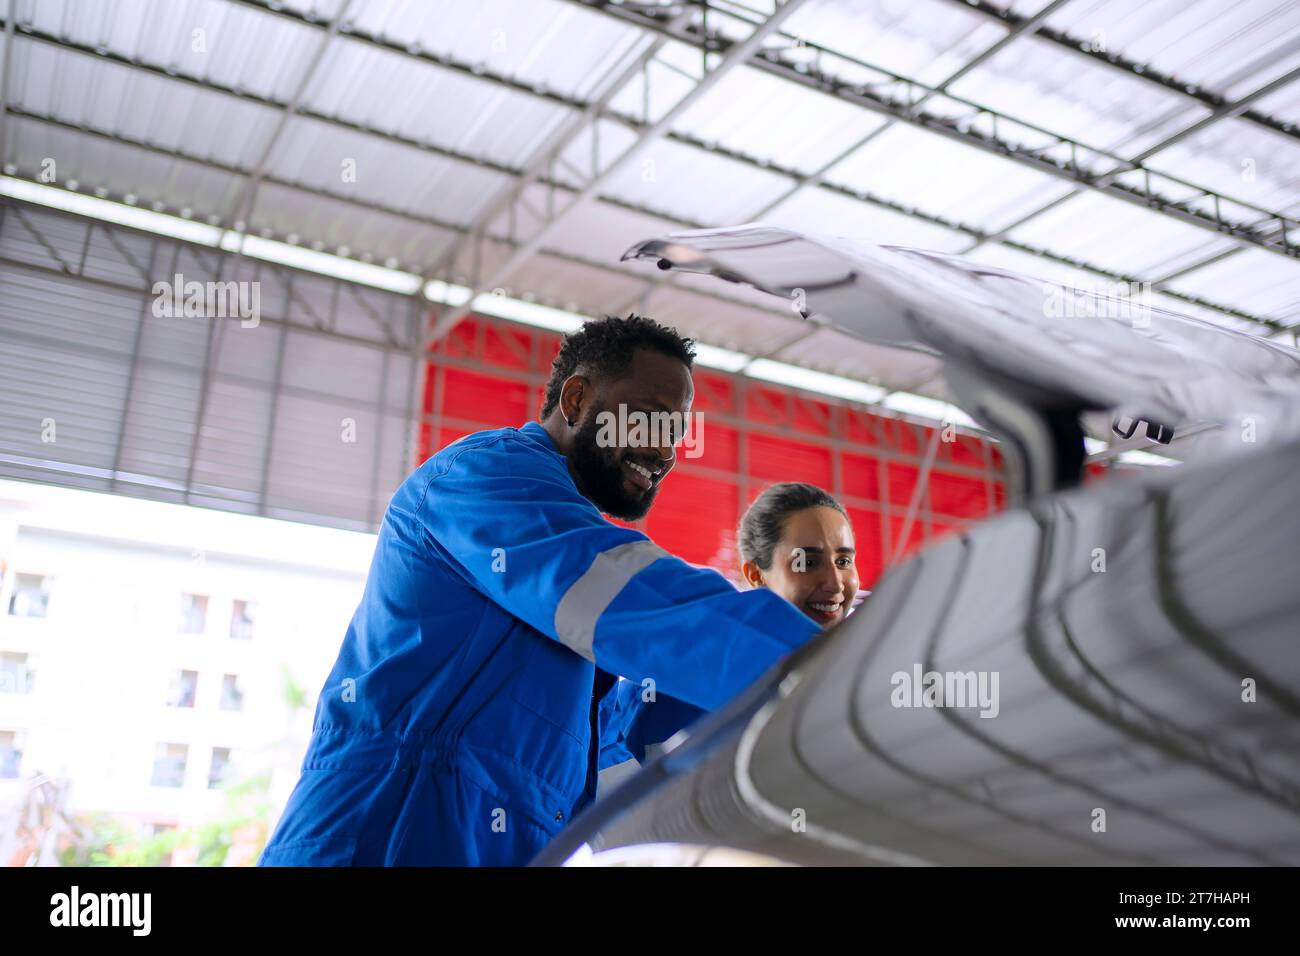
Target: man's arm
636 722
511 519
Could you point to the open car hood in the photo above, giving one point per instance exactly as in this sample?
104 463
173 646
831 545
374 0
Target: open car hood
1147 715
1040 342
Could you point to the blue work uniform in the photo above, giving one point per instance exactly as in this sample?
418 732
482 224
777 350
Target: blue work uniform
456 726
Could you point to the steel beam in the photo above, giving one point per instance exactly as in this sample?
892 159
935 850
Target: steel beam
1225 111
243 208
1066 165
5 74
547 154
737 54
817 177
1142 72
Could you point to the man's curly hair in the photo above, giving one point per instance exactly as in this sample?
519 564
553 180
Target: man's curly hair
605 347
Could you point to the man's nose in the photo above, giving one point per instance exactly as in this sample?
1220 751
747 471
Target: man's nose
668 454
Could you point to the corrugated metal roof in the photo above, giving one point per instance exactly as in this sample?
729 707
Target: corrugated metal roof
414 124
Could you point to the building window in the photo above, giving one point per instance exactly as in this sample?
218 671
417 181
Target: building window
241 620
232 695
10 756
169 765
31 595
194 613
220 768
15 673
151 831
182 689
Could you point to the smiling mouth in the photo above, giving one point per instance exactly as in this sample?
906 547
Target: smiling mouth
641 476
825 609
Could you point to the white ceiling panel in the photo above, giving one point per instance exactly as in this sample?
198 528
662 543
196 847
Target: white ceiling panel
1117 236
927 40
1037 82
1251 280
114 98
737 114
1240 160
945 178
543 43
1228 48
230 44
680 181
350 164
437 106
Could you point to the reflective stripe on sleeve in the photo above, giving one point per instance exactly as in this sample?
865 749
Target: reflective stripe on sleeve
589 596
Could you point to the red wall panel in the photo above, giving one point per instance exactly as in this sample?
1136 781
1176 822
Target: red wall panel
861 477
696 519
473 396
766 404
714 392
720 447
958 495
507 348
782 459
448 435
902 480
915 534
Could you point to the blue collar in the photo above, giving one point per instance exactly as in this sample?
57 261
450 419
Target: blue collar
535 431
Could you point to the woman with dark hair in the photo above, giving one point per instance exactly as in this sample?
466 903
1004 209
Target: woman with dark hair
796 540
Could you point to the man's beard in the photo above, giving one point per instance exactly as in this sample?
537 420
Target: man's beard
601 477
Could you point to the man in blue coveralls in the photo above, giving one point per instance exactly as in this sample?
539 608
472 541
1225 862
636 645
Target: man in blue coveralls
477 693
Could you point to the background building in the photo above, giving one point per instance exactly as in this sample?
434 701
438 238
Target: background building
153 657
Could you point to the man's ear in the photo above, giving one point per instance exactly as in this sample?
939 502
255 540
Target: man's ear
753 574
575 393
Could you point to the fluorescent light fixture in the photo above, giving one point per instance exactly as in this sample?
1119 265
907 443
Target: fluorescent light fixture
529 313
175 227
561 320
806 378
922 407
1145 458
446 293
323 263
711 356
108 211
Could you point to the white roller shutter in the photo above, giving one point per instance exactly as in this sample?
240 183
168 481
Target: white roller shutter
198 410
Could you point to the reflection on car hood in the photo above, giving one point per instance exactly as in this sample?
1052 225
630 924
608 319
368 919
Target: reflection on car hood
1057 346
